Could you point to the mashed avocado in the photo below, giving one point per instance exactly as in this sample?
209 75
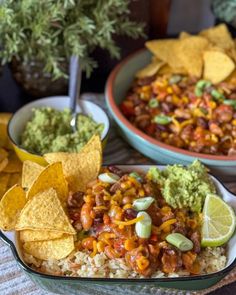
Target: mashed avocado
183 187
49 131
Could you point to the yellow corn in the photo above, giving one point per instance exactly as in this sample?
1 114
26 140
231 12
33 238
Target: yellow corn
212 104
185 99
142 263
181 216
167 229
129 222
141 192
169 90
234 122
165 210
88 199
100 208
214 138
185 123
127 206
129 244
164 134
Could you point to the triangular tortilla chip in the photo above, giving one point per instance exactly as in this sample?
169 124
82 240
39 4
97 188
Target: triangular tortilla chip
52 249
150 70
14 164
217 66
30 172
11 205
190 52
51 176
29 235
45 212
79 168
94 144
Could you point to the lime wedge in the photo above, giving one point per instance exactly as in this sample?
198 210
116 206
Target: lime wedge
218 222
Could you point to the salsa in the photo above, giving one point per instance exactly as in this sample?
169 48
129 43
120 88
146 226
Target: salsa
49 130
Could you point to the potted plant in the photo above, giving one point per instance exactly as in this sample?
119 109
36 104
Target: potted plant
38 37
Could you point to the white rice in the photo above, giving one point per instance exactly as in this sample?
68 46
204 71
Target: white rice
82 265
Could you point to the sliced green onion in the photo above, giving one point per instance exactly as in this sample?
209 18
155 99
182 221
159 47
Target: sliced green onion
230 102
180 241
143 228
143 203
136 176
201 84
217 95
174 79
153 103
162 119
108 177
203 110
198 91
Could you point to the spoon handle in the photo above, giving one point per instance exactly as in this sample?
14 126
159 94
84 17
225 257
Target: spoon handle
74 81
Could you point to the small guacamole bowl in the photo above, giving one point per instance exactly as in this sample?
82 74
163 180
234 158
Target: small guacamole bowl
18 121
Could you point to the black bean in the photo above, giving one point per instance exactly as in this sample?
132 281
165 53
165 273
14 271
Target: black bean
130 213
116 170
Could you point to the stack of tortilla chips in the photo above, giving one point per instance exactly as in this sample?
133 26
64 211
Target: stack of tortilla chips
37 208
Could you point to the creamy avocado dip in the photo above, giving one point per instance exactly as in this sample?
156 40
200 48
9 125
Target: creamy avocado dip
183 187
49 131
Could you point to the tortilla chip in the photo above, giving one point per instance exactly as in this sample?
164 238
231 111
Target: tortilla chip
14 178
164 50
28 235
4 118
94 144
4 180
190 51
30 172
52 249
3 154
166 69
51 177
44 212
3 135
11 205
79 168
219 36
14 164
217 66
184 35
3 164
150 70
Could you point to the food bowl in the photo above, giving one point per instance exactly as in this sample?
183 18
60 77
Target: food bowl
87 285
117 86
23 115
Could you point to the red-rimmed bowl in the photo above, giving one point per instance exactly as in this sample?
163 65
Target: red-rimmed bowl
118 83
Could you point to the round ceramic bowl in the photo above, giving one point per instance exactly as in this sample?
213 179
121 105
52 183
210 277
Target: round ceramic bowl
18 121
118 83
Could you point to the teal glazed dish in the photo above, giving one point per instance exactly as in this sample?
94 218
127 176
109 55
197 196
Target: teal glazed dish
101 286
117 86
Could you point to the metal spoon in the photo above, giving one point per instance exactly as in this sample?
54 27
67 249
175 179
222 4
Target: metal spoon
74 88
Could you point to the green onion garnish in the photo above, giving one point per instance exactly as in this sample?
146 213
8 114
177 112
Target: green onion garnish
143 203
217 95
136 176
162 119
201 84
153 103
143 228
230 102
198 91
180 241
174 79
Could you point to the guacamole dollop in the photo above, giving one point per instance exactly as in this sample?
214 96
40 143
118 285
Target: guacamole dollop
49 131
183 187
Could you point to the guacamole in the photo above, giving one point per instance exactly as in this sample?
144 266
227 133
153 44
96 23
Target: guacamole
183 187
49 131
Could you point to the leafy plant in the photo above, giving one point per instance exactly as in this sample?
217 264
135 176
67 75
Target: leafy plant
52 30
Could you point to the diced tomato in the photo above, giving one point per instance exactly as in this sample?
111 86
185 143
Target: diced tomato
151 129
154 238
127 108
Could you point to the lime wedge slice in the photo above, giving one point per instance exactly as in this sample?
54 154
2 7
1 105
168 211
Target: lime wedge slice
218 222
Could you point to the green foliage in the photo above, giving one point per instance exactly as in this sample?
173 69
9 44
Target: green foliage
53 30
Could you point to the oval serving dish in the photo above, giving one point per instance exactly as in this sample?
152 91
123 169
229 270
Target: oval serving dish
76 285
118 83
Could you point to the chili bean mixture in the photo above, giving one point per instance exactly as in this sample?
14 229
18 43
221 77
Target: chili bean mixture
106 221
185 112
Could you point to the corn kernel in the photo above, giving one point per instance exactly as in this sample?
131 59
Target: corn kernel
169 90
214 138
165 210
141 193
185 99
164 134
129 244
234 122
127 206
212 104
142 263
